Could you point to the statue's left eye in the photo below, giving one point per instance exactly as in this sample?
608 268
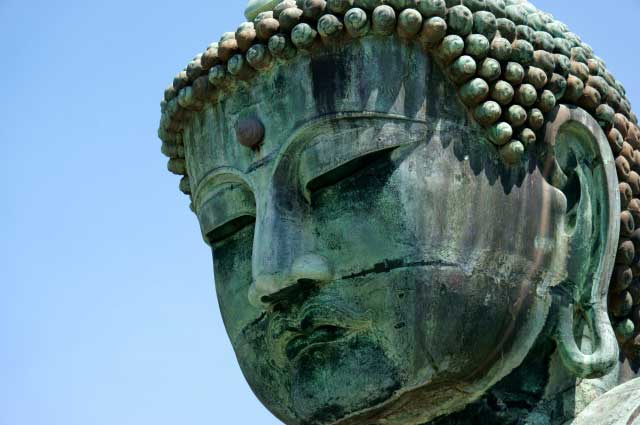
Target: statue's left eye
347 170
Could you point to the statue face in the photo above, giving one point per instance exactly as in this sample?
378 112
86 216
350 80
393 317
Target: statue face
381 260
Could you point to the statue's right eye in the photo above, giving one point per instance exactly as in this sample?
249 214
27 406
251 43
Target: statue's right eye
229 229
229 209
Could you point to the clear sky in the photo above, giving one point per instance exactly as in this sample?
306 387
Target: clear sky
108 313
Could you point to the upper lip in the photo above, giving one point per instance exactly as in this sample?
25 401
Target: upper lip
315 323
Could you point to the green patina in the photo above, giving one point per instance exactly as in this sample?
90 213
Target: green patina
415 211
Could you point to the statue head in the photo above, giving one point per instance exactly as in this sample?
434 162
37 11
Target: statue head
402 197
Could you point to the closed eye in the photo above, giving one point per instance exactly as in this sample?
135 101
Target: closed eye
347 170
230 228
229 208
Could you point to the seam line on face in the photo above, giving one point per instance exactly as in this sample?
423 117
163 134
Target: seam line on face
390 265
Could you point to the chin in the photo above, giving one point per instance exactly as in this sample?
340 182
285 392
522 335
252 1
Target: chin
329 382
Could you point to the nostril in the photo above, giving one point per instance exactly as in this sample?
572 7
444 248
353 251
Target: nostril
291 295
307 324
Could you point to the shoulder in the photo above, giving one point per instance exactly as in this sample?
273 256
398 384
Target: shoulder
620 406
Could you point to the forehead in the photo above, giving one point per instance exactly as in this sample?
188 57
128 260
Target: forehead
376 77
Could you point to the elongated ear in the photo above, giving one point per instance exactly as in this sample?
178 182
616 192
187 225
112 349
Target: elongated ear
581 164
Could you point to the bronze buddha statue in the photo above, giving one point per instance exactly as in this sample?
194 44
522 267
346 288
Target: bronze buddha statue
420 211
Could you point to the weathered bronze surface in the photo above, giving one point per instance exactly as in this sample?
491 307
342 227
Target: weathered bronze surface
421 211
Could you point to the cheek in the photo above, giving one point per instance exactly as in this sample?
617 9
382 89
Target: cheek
247 326
437 323
232 271
460 322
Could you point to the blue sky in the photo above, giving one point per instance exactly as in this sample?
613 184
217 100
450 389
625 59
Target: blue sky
107 307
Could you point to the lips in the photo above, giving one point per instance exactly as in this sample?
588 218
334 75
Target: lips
316 323
321 335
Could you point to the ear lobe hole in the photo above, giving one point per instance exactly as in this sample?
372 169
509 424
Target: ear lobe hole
572 191
567 177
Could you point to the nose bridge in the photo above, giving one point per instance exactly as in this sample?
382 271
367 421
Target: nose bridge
282 256
277 240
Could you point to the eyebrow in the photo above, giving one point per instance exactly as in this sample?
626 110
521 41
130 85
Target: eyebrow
316 126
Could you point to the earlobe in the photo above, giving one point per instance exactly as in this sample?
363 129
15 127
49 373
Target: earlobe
584 169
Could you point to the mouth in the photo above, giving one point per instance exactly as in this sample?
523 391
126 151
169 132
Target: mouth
316 323
325 334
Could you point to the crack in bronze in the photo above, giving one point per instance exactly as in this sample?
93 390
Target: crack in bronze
390 265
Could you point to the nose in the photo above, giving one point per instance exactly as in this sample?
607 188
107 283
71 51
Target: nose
306 269
284 256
